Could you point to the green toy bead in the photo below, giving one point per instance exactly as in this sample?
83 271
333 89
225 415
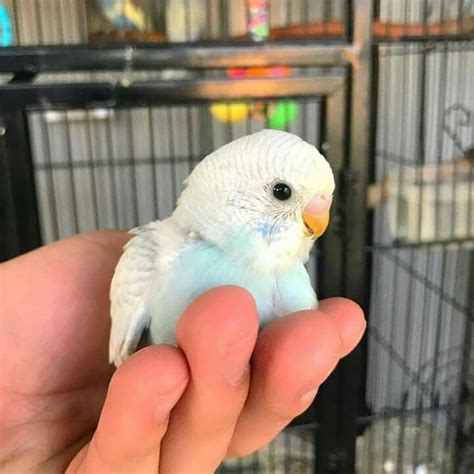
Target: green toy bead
282 114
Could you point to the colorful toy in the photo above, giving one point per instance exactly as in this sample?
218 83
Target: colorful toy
259 22
277 115
6 31
259 72
281 114
232 112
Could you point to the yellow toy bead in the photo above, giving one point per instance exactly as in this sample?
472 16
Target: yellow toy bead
233 112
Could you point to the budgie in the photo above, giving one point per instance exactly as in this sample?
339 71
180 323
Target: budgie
123 14
248 216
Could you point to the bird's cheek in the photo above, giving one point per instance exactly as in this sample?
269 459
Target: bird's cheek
270 230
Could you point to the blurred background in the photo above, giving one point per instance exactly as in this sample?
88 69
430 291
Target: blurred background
106 106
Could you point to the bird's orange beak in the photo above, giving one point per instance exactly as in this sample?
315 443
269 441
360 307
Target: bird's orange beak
316 215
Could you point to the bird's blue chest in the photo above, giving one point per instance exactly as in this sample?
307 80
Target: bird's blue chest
200 268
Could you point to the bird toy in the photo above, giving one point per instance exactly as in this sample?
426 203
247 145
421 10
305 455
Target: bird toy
277 115
259 22
230 112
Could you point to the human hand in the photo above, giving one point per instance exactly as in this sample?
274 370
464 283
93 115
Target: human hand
166 409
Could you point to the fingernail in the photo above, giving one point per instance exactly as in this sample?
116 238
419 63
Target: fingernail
309 396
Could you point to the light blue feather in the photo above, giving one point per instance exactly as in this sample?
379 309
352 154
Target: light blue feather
203 266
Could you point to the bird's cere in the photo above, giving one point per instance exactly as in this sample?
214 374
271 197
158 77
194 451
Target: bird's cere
316 214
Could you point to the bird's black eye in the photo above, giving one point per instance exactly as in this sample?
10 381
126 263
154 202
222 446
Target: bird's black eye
282 191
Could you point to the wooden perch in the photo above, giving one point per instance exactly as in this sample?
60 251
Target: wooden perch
393 31
116 36
332 29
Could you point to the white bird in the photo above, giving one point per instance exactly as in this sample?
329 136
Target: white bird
248 216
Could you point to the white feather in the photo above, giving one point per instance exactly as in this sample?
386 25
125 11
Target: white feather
144 263
225 191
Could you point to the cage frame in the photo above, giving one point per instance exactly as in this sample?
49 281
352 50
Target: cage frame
348 108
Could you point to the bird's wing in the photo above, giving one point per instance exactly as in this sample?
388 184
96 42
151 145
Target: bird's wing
144 264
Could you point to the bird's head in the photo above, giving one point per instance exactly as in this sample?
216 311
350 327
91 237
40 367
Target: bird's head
264 197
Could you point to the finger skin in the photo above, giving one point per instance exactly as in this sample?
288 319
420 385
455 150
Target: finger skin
349 318
293 357
134 419
217 333
60 292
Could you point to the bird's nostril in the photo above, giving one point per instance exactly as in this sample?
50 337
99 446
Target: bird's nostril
319 204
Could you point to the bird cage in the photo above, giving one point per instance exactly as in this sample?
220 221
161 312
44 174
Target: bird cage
107 105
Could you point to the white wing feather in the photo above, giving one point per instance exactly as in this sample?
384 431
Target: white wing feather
144 263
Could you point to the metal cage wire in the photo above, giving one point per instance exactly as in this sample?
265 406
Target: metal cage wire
102 121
